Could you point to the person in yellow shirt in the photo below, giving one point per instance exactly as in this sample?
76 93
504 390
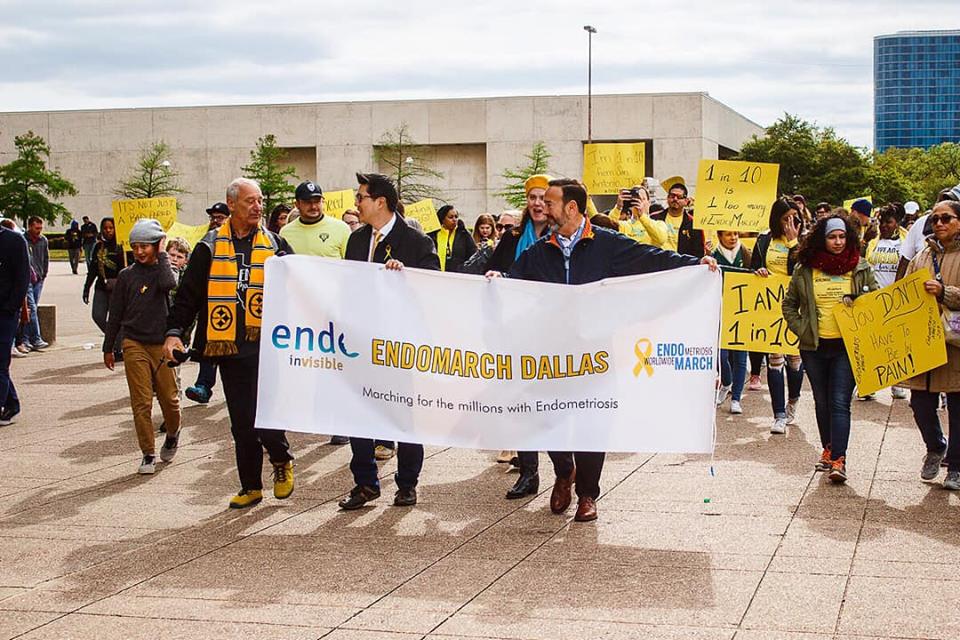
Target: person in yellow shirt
313 233
829 272
636 222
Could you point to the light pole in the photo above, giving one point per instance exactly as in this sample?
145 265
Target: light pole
590 31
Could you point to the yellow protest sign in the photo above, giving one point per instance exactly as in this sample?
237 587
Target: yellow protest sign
749 243
336 202
423 212
734 195
609 167
847 203
892 334
191 234
752 317
127 212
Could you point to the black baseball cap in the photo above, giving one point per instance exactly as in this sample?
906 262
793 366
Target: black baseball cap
219 207
308 190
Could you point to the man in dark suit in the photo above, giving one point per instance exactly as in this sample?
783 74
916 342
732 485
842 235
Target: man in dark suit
387 239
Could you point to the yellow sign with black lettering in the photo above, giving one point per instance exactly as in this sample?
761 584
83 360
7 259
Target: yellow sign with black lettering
423 212
192 235
752 316
734 195
892 334
609 167
336 202
127 212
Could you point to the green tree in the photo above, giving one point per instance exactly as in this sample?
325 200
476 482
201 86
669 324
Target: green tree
916 174
29 188
265 167
408 166
513 192
153 177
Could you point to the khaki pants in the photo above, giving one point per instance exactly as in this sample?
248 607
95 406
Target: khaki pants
147 373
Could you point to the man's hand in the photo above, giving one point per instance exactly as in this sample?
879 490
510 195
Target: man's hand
394 265
86 297
489 275
762 272
108 360
933 287
171 344
710 262
643 204
790 230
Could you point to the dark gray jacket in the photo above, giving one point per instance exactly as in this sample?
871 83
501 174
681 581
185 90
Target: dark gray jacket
39 255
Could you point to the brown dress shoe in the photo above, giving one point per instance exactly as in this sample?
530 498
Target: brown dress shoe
586 510
562 492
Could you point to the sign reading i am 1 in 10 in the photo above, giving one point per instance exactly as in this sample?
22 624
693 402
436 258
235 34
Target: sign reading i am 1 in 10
752 317
734 195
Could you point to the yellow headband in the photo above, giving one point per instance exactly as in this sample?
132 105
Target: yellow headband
539 181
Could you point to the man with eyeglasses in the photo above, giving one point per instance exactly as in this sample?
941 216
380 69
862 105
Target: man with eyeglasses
823 210
385 238
506 222
681 236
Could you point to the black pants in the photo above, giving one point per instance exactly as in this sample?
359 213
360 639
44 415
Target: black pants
363 463
589 467
239 378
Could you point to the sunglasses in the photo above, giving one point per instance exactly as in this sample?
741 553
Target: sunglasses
504 227
942 219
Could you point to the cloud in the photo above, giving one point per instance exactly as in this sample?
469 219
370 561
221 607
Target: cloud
813 58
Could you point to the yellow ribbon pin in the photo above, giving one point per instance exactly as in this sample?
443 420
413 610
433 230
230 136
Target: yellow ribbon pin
642 349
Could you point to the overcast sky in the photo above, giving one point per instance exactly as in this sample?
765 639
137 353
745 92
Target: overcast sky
813 59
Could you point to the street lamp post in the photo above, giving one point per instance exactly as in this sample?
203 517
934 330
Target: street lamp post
590 31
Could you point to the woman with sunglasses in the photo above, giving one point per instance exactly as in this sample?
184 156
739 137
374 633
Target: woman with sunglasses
829 272
941 258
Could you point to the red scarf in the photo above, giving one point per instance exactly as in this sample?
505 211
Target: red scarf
836 264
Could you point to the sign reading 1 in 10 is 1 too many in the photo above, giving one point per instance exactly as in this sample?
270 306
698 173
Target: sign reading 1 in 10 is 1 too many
734 195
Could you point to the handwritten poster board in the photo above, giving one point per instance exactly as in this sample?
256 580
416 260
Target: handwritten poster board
752 317
336 202
609 167
424 212
192 234
892 334
127 212
734 195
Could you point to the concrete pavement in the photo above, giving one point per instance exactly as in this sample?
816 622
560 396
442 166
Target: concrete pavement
764 549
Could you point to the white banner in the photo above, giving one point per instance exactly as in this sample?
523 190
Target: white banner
626 364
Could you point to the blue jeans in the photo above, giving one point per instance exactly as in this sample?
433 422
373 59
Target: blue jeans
776 363
924 405
363 463
207 377
8 331
733 371
31 331
831 380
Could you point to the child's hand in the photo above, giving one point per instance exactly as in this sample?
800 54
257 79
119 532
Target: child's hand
108 360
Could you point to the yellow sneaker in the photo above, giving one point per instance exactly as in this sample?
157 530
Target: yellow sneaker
246 499
381 452
282 480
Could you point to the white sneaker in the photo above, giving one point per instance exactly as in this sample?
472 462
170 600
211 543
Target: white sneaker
722 394
792 411
39 345
779 426
24 349
898 393
147 466
735 407
16 353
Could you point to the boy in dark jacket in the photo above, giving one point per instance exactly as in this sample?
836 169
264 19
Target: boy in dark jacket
139 305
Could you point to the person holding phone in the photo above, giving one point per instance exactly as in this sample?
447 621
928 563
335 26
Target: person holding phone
633 213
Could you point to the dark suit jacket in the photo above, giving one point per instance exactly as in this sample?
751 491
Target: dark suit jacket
403 243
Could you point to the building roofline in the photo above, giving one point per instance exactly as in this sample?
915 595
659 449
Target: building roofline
933 32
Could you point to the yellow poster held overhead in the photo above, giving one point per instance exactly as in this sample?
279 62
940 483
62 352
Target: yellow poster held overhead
336 202
734 195
191 234
127 212
847 203
609 167
892 334
752 316
424 213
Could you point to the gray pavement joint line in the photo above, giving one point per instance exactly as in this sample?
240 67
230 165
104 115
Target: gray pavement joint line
564 525
773 555
863 520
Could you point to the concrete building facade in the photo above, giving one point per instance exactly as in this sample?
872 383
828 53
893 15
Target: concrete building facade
471 141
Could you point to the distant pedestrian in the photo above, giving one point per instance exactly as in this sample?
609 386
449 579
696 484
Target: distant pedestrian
88 237
74 244
105 265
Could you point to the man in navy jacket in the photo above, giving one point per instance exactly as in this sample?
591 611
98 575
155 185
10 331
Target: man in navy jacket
14 280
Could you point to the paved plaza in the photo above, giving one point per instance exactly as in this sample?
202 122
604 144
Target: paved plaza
763 549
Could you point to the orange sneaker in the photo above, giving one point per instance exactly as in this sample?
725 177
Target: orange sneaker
838 470
824 463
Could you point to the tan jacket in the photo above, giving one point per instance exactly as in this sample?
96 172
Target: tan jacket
945 378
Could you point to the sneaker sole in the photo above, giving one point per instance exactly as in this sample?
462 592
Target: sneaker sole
144 472
279 497
252 503
836 478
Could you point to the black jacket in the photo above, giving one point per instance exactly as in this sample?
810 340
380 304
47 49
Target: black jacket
106 262
461 248
690 241
190 303
600 253
139 303
403 243
14 270
505 252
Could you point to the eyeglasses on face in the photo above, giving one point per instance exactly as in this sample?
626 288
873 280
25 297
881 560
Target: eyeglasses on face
504 227
942 219
360 196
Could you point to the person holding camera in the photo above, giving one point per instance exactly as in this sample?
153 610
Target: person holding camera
681 236
633 213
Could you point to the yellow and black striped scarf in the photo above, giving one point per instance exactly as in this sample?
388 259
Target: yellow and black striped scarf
222 307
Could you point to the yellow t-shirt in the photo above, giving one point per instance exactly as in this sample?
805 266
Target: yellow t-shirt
828 291
327 237
636 230
673 231
778 256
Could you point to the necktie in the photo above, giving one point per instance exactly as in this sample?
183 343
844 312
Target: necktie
373 247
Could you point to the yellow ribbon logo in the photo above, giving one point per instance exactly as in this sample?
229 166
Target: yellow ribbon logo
643 349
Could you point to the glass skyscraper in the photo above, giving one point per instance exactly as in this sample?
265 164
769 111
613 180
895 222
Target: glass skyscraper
916 95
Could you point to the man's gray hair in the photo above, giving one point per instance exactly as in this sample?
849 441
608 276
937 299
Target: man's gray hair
233 189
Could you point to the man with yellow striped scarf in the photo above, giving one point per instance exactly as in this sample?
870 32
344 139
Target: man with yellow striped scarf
223 288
